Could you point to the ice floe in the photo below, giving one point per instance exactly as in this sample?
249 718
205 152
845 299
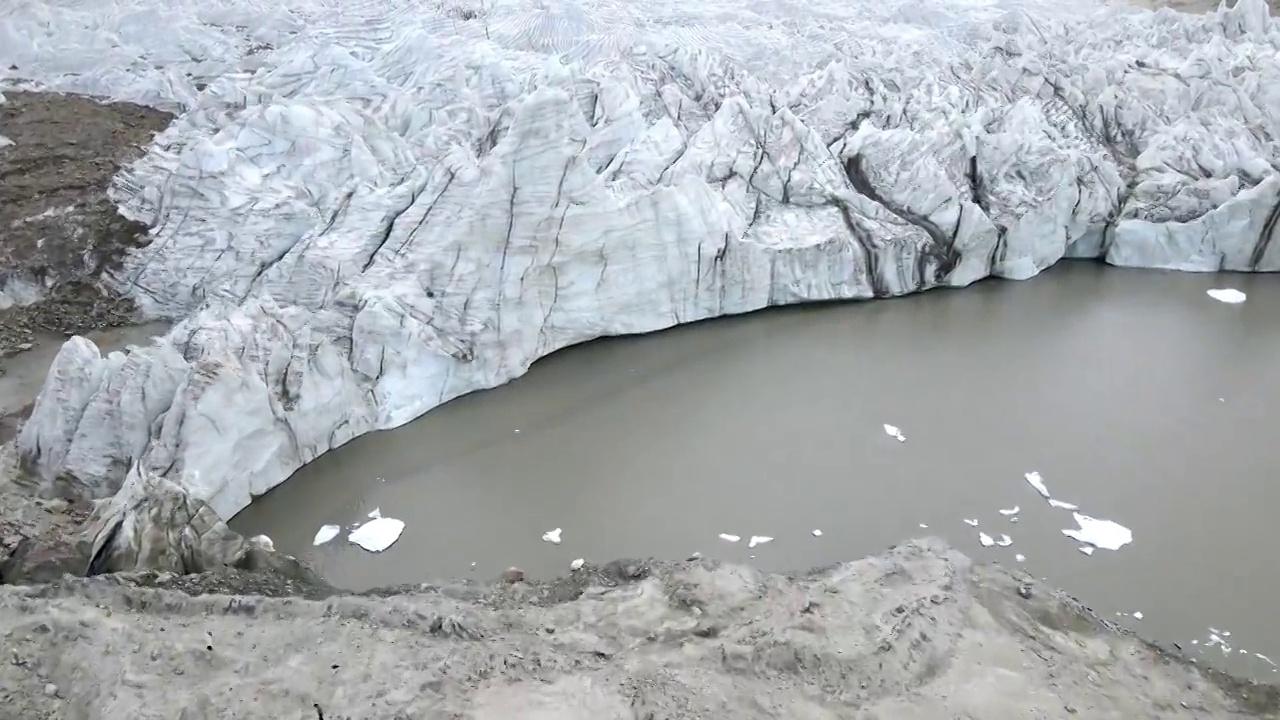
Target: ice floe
1086 549
552 536
1020 557
377 534
1004 541
1137 615
758 540
1231 296
895 432
971 522
1010 511
375 513
1104 534
1062 504
730 537
817 533
1037 482
325 534
577 564
985 540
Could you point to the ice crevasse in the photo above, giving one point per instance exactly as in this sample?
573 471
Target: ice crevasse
364 210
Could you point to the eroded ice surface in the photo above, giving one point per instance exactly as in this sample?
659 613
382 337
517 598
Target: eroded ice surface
367 209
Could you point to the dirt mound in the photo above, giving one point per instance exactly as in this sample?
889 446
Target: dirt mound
59 228
915 633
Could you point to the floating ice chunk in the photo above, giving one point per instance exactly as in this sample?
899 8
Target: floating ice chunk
1086 549
6 142
376 513
1105 534
377 534
264 542
325 534
730 538
971 523
1137 615
577 564
1020 557
922 525
1010 511
758 540
985 540
1037 482
1230 296
552 536
1264 659
1063 505
817 533
895 432
1004 541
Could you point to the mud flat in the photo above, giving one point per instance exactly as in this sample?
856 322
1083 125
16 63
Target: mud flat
917 632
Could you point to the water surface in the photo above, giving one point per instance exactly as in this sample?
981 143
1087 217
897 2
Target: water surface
1133 393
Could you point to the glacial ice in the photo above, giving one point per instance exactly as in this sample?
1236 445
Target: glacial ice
366 209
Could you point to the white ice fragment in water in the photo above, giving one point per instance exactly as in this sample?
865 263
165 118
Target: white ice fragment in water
1137 615
264 542
6 142
730 538
922 525
1010 511
971 523
895 432
376 513
1264 659
1086 549
1037 482
1020 557
325 534
758 540
577 564
552 536
1062 504
985 540
377 534
817 533
1230 296
1105 534
1004 541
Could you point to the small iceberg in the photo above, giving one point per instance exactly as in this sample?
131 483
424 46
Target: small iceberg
577 564
1020 557
552 536
1010 511
730 538
1103 534
377 534
985 540
1231 296
894 432
1037 482
758 540
325 534
817 533
1004 541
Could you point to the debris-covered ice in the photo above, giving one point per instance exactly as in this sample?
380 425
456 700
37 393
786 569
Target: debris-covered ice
1104 534
985 540
325 534
895 432
552 536
1230 296
729 537
377 534
758 540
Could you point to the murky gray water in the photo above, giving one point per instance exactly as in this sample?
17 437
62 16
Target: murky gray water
1133 393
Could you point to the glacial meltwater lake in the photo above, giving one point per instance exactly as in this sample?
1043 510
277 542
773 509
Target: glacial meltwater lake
1134 394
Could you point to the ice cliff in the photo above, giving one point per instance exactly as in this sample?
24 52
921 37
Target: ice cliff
367 209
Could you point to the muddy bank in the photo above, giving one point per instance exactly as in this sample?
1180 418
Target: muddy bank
60 229
917 632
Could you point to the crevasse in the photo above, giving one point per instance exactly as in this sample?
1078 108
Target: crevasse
366 209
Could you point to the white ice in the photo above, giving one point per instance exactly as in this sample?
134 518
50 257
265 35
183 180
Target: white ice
325 534
1063 505
577 564
1010 511
377 534
1230 296
552 536
1004 541
366 209
1037 482
730 538
1086 549
894 432
1104 534
758 540
971 522
985 540
375 513
1020 557
817 533
1137 615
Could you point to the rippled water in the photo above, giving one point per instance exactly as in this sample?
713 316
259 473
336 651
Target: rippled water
1133 393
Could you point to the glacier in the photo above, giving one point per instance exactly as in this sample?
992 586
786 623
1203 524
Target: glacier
366 209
